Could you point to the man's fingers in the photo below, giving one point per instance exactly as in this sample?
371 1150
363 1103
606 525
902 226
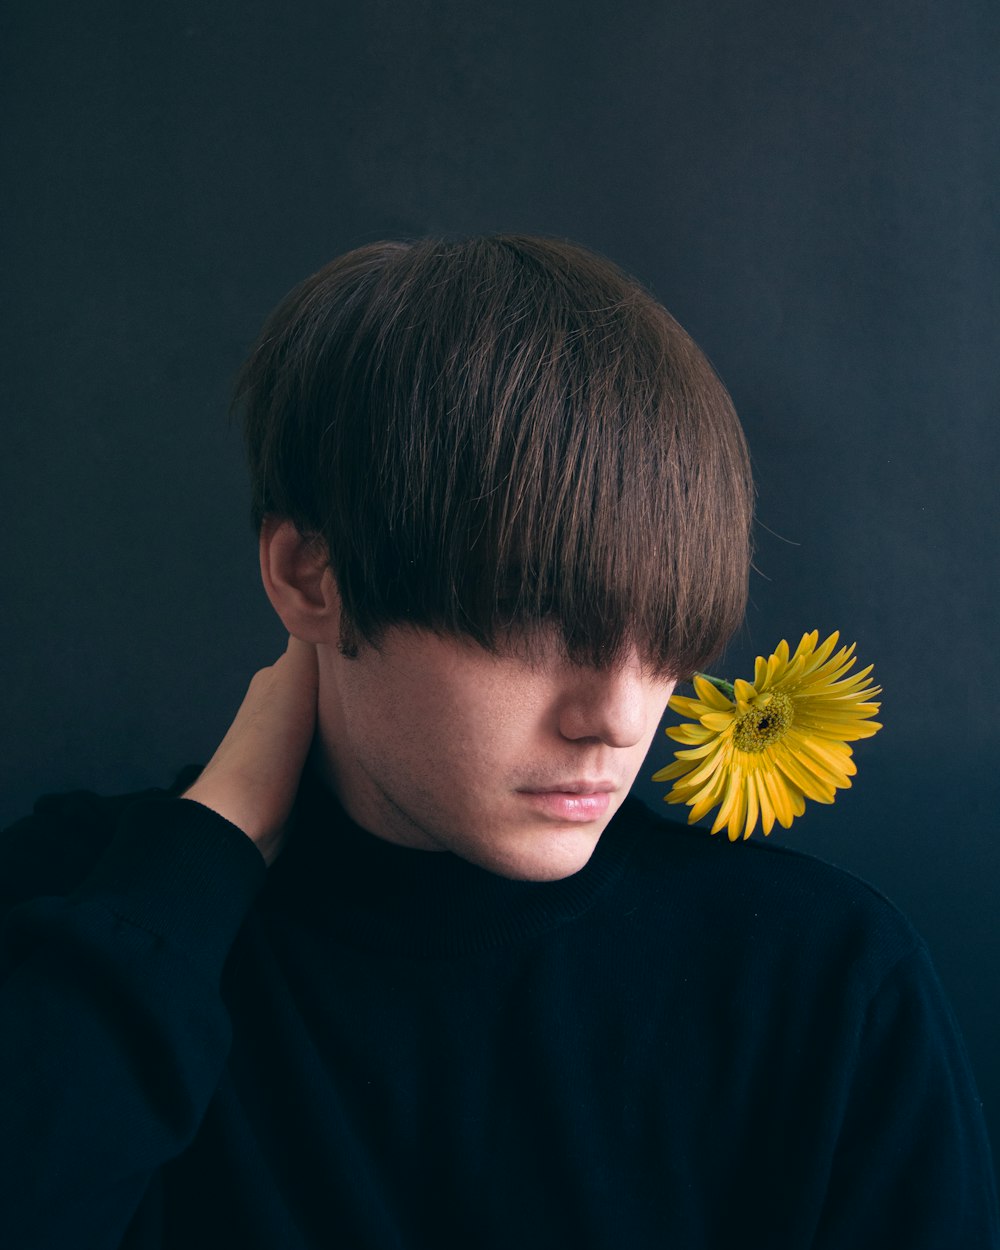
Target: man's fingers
253 776
301 657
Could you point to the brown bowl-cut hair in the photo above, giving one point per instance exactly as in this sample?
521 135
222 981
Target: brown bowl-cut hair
499 434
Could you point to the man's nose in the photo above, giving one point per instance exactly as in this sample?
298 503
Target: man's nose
605 705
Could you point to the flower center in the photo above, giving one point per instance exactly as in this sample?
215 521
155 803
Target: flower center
763 724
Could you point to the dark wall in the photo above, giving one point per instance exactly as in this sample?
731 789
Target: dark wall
810 189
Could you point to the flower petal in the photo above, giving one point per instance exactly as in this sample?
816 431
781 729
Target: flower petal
745 694
710 695
690 734
692 708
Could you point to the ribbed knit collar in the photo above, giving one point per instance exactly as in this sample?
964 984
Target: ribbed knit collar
372 894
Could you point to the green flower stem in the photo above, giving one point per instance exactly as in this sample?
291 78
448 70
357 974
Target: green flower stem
725 686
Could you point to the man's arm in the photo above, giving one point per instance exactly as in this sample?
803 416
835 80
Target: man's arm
113 1034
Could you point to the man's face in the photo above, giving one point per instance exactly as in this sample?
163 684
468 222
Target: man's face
514 764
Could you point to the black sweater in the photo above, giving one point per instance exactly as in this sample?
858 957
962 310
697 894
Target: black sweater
686 1044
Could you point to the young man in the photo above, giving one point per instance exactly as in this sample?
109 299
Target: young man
403 965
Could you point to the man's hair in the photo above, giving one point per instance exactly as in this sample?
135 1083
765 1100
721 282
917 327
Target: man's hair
502 433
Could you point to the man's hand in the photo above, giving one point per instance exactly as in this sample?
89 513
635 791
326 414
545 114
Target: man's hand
253 777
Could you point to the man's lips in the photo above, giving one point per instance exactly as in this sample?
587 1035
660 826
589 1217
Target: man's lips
573 787
574 801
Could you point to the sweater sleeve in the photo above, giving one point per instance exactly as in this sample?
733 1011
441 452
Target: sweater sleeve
113 1034
913 1167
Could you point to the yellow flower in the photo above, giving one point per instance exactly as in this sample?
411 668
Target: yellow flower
776 742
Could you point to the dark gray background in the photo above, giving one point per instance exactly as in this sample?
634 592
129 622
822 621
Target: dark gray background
810 189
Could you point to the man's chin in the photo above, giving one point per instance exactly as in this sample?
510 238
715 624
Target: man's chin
543 854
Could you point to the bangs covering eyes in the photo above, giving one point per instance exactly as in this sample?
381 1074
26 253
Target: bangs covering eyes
499 434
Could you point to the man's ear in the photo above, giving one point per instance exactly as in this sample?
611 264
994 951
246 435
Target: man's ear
296 573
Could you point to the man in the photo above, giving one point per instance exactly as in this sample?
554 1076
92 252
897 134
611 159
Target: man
403 965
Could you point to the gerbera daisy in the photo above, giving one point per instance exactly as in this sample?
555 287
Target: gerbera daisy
760 749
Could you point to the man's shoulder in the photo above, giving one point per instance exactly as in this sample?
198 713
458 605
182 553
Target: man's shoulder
759 898
51 850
